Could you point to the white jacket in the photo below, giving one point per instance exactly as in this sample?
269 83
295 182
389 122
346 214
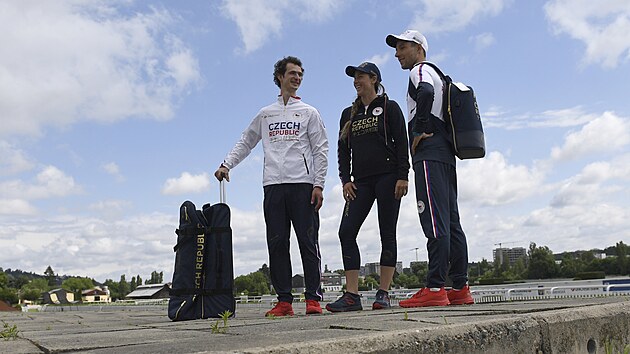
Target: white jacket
295 144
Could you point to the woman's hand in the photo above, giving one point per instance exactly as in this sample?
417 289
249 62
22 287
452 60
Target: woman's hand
401 188
349 191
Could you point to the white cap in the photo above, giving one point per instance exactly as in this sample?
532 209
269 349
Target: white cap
409 36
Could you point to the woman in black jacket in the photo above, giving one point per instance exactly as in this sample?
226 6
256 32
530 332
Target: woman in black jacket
373 165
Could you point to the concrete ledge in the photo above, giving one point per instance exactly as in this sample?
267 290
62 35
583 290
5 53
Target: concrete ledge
583 330
596 325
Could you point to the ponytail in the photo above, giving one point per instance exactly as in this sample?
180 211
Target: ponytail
344 134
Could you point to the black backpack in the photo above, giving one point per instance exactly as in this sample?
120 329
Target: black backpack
462 115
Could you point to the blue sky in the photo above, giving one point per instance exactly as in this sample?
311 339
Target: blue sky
115 112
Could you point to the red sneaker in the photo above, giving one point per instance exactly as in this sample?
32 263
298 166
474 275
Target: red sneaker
312 307
460 297
426 297
282 308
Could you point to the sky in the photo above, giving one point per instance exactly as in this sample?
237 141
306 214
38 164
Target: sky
115 112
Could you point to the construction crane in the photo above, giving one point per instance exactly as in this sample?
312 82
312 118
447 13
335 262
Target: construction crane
504 243
416 249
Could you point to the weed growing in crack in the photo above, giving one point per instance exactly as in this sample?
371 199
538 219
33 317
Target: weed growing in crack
216 327
9 332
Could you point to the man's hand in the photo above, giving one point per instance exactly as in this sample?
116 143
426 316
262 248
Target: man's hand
349 191
317 198
416 141
222 172
401 188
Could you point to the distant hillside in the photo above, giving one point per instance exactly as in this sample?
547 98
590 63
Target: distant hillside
17 273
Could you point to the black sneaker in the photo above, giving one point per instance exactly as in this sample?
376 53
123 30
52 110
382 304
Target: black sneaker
347 302
382 300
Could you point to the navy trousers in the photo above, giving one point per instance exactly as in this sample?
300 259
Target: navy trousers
436 196
286 204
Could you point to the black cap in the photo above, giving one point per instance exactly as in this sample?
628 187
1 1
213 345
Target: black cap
365 67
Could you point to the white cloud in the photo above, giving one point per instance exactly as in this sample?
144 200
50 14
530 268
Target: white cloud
380 59
496 117
110 209
602 26
16 207
493 181
606 133
50 182
64 62
435 16
482 41
259 20
93 247
186 183
113 169
13 160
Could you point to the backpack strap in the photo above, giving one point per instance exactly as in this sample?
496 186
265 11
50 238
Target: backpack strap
446 97
435 67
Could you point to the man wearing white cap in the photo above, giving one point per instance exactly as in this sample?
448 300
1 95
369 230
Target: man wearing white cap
433 160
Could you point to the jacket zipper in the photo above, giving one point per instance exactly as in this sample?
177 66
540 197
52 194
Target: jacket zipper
305 164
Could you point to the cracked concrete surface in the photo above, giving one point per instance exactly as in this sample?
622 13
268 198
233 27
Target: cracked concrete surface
543 326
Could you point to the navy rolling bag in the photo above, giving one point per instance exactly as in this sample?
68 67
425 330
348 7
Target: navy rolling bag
203 280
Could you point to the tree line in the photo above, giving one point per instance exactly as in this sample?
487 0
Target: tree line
539 263
17 285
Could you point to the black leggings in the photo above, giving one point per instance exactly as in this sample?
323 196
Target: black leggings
380 188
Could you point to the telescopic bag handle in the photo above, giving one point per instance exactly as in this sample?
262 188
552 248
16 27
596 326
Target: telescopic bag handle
222 191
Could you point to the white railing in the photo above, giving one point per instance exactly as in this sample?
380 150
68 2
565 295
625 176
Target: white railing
549 292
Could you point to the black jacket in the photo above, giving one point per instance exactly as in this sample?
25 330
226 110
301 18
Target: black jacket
376 143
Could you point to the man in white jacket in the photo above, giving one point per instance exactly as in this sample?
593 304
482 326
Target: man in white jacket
296 160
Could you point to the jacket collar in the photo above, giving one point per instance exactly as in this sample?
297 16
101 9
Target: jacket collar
292 100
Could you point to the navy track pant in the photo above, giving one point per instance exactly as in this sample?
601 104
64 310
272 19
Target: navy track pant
436 196
287 204
380 188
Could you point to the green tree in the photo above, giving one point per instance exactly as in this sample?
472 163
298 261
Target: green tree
368 283
156 278
623 263
123 287
133 285
138 280
516 271
50 276
420 270
4 280
34 289
264 269
570 266
9 295
40 284
251 284
542 264
77 284
242 283
19 282
587 257
113 289
409 281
